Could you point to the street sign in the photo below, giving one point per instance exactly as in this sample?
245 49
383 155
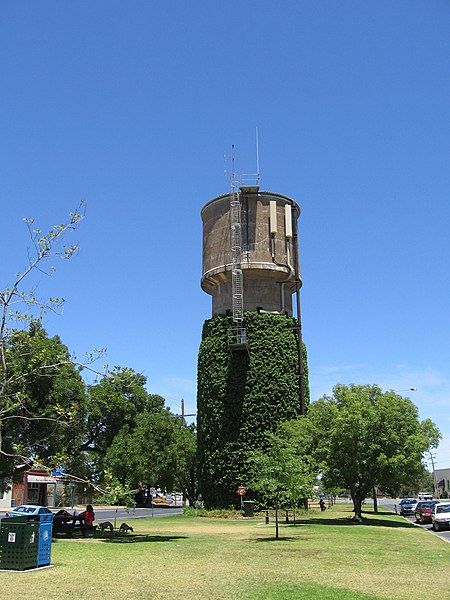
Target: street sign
241 490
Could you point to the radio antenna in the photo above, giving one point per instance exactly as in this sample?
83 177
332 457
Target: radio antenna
258 175
233 173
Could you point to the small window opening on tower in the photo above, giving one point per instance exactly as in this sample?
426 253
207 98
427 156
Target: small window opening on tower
237 338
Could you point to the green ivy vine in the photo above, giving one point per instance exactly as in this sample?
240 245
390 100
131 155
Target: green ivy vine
241 396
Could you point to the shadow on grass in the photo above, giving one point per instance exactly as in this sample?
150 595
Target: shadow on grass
349 521
272 538
387 513
134 539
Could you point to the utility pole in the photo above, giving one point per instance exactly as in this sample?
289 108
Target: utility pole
375 500
436 489
183 424
298 283
183 414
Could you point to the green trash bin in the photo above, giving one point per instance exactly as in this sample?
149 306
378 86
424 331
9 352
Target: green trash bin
249 508
18 543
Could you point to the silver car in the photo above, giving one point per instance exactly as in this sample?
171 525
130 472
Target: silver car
408 506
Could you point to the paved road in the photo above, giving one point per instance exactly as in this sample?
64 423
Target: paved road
390 504
108 514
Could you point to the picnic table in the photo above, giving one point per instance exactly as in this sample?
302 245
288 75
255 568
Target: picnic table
64 522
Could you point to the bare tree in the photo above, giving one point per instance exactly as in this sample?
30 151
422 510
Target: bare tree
19 305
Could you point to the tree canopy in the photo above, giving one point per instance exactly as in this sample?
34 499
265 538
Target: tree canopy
281 475
113 403
50 417
367 438
41 401
40 387
157 452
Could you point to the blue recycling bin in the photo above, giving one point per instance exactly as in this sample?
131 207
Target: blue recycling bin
45 539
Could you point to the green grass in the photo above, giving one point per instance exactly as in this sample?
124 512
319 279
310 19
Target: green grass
327 556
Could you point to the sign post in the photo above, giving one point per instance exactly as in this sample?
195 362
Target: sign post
241 491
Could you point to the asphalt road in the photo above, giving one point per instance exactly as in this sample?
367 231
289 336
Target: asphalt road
391 503
108 514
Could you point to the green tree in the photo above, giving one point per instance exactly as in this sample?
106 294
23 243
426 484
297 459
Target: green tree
110 405
422 483
39 385
114 402
367 438
159 451
44 394
280 475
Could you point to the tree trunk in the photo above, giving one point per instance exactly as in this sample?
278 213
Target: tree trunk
276 522
357 503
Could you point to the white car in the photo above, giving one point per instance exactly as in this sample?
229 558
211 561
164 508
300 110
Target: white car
440 516
425 496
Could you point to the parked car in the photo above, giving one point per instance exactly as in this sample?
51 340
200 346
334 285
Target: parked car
408 506
28 510
440 516
425 496
424 510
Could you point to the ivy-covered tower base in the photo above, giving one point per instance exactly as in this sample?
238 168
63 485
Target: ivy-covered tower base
241 396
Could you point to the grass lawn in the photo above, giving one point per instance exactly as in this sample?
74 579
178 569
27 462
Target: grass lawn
325 557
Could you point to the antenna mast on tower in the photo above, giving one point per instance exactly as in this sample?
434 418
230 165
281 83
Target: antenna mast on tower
238 336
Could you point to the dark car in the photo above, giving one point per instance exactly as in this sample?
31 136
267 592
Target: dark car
408 506
424 510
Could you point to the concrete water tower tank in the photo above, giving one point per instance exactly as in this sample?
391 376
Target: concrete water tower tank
268 224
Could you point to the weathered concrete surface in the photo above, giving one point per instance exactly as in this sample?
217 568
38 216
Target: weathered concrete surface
267 261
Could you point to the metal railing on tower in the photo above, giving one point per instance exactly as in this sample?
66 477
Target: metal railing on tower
237 335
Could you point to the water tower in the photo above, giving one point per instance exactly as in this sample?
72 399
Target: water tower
252 364
250 252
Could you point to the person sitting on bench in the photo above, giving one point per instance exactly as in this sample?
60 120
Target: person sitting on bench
87 517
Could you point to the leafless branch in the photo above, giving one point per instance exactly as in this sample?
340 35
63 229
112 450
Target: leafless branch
59 420
43 247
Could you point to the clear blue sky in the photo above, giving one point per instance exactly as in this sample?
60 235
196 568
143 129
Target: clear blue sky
131 105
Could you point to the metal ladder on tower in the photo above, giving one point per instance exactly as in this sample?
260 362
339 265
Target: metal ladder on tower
237 337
